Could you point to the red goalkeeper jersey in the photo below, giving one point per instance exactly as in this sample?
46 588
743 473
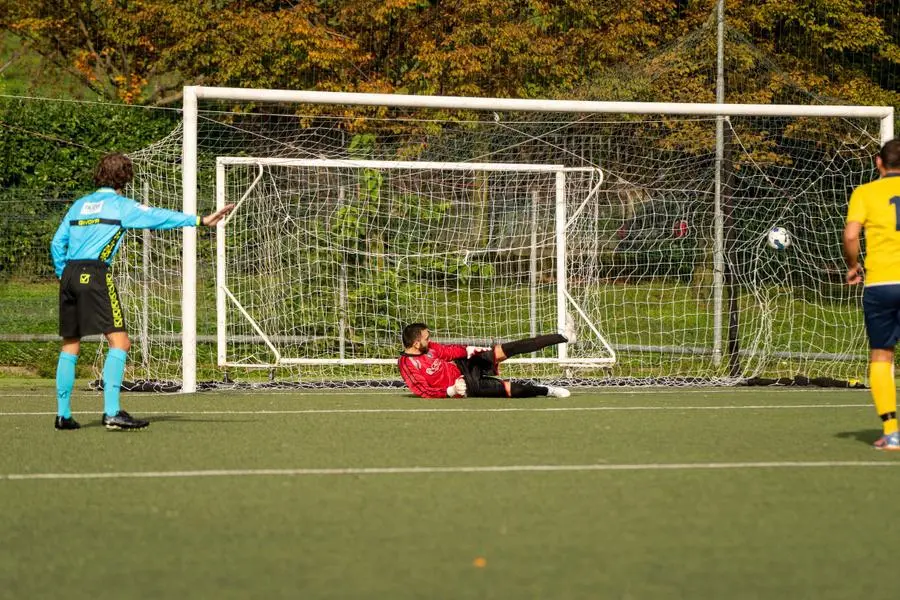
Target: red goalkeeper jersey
429 375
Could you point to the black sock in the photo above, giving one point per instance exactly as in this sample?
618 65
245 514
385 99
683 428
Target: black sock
532 344
526 390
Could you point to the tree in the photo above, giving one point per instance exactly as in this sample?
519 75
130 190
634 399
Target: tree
144 51
831 47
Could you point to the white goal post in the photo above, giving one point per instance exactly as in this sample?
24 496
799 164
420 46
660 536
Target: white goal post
760 341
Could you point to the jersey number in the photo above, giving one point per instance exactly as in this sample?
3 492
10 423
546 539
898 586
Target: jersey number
896 202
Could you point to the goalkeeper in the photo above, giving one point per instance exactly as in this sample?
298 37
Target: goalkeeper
433 370
82 249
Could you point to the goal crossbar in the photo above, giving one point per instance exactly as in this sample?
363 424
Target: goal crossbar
405 165
521 104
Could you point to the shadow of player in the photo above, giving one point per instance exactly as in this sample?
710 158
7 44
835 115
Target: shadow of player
176 418
865 436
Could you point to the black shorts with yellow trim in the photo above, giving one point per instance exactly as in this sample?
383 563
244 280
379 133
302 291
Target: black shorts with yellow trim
88 300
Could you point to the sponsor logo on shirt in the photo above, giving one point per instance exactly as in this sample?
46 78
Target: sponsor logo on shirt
435 367
92 208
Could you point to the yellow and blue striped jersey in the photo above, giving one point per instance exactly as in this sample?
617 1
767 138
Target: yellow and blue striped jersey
876 205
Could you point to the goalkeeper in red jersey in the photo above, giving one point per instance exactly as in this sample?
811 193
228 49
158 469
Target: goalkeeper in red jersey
433 370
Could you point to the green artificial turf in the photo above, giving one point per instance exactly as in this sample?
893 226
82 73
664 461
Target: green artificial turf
341 495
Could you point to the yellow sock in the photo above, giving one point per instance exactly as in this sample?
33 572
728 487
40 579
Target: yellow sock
884 392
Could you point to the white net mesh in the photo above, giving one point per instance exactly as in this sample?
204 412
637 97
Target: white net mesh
331 262
328 260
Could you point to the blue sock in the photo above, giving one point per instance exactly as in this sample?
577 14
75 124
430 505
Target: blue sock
113 371
65 381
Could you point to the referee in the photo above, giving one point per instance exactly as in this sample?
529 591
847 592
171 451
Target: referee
82 249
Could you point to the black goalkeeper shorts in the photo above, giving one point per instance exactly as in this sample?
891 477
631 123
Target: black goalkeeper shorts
88 300
481 376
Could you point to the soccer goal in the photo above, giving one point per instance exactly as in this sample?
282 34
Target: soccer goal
362 245
639 228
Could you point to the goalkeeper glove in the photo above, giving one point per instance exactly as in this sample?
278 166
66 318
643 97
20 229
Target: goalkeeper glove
458 389
470 350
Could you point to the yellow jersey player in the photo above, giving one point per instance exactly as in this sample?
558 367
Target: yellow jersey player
875 207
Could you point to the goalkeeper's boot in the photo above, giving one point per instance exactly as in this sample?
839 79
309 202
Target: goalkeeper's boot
890 441
63 423
122 420
558 392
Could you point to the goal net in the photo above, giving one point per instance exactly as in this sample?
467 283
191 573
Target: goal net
325 261
638 228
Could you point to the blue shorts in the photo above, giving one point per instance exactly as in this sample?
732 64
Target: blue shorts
881 308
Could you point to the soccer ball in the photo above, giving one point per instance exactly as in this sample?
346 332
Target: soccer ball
779 238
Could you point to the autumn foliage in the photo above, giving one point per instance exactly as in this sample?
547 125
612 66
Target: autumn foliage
144 51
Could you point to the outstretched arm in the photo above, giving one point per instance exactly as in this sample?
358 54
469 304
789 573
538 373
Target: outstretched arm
138 216
448 351
213 218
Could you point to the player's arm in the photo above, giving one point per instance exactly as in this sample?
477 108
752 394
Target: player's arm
448 352
213 218
856 218
138 216
851 252
59 246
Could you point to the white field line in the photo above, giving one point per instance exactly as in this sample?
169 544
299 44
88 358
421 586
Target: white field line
447 470
50 393
548 409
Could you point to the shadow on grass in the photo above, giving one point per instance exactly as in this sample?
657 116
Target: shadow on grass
177 418
865 436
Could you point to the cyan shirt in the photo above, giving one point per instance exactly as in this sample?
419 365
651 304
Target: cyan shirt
95 224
